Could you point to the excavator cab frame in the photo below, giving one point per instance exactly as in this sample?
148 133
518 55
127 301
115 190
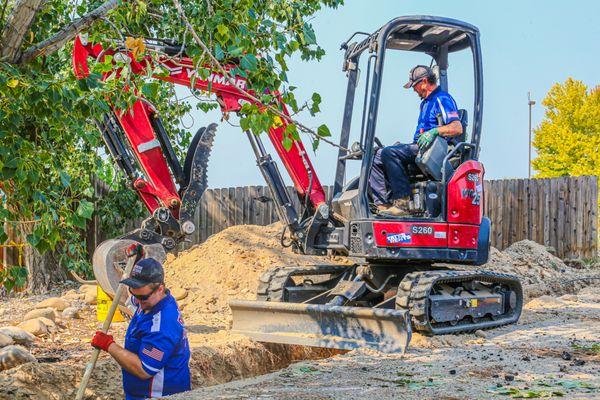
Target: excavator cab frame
434 36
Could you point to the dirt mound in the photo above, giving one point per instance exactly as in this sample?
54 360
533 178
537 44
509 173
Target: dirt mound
541 273
228 265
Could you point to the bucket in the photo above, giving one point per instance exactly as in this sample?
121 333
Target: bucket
103 302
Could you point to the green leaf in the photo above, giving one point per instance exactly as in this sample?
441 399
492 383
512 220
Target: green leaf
315 144
85 209
65 179
223 32
219 54
151 89
323 131
249 62
287 143
309 34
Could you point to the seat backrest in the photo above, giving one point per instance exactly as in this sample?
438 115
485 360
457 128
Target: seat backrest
463 116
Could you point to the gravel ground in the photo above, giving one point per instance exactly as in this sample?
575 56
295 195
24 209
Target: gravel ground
550 353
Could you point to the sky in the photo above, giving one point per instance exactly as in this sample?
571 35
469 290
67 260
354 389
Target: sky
527 46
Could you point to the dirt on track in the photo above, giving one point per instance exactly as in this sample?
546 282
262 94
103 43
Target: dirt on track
227 266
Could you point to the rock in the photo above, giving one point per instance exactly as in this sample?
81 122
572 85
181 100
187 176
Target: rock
579 363
480 333
13 356
87 288
71 313
90 297
53 302
40 312
5 340
50 325
566 355
72 295
18 335
179 293
509 378
452 372
34 326
569 297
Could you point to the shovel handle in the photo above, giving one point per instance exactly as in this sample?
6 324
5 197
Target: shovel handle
134 252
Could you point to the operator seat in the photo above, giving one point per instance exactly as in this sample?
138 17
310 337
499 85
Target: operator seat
418 174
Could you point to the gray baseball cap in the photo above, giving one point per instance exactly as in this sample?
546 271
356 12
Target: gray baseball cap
417 74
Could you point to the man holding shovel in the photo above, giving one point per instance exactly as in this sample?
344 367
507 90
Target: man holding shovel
155 359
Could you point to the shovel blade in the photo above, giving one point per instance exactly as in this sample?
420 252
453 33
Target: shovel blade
336 327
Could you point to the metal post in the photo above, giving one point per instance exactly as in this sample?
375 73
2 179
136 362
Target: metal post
530 103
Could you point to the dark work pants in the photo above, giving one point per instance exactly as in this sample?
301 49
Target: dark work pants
389 174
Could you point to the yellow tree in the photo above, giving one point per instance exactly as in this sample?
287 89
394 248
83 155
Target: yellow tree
568 139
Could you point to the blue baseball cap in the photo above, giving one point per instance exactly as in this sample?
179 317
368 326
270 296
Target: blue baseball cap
145 272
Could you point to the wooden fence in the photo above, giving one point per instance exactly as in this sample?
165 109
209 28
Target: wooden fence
557 212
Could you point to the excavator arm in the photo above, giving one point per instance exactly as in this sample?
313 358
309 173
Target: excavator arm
139 145
137 141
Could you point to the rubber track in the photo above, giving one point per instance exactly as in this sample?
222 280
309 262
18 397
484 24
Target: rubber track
415 288
272 283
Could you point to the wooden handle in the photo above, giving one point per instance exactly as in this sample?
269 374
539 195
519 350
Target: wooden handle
131 258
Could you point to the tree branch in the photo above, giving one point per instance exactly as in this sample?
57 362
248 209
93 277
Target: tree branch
215 63
16 28
67 33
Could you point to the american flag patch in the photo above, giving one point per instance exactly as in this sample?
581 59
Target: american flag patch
453 114
153 352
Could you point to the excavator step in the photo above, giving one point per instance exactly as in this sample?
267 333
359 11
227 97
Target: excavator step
317 325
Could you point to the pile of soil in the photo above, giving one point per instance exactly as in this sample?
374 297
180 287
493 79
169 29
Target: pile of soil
541 273
228 266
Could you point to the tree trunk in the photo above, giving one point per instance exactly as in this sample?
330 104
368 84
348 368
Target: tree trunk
16 28
43 270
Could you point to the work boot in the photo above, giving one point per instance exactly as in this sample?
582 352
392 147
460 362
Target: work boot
383 207
398 209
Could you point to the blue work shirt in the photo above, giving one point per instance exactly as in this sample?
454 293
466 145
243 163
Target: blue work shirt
159 338
438 102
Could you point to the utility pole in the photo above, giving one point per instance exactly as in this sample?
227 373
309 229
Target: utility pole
530 103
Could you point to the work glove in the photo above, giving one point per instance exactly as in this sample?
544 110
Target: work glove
426 138
102 340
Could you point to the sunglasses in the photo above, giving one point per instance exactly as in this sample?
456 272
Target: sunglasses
144 297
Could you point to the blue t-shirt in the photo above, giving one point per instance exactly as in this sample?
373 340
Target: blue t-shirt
438 102
159 339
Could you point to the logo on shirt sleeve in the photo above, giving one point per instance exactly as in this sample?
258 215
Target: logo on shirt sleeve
153 352
453 114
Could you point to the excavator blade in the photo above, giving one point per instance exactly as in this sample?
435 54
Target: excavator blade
336 327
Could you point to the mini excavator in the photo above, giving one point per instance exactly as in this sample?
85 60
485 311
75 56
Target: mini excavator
395 286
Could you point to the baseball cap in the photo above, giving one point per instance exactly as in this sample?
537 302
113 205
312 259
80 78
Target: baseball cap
144 273
417 74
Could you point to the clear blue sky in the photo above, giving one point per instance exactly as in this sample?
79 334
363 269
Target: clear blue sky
526 45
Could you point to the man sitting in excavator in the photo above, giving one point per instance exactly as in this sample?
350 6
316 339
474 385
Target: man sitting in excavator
389 175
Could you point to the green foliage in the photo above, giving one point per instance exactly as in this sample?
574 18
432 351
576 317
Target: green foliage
50 150
568 139
13 277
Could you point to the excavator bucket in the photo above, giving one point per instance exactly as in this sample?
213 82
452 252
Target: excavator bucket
317 325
